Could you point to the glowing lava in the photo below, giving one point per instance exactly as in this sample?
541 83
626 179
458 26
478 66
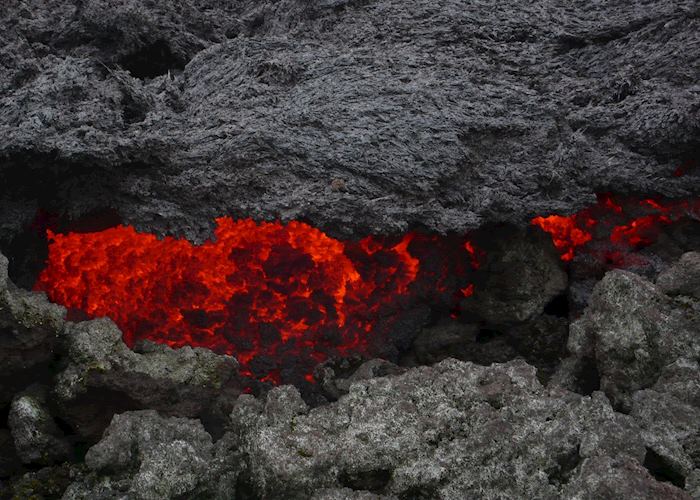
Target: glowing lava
625 224
280 297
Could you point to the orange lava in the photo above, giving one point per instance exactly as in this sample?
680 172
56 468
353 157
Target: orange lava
280 297
624 223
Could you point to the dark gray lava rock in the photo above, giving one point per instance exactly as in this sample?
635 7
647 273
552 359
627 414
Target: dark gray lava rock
45 483
683 278
521 275
467 342
146 456
104 376
37 438
672 433
335 376
437 116
29 327
613 477
633 331
455 430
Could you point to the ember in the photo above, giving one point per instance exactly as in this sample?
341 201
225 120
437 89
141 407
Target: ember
280 297
627 224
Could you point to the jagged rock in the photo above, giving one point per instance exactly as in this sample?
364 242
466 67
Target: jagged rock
348 494
540 341
103 376
435 116
37 438
49 482
612 477
683 278
466 342
632 331
29 326
336 375
672 430
143 455
454 430
681 379
522 274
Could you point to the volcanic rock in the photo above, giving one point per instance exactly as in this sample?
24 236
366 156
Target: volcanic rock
37 438
104 376
29 326
336 375
522 274
632 331
467 342
455 430
683 278
48 482
437 116
143 455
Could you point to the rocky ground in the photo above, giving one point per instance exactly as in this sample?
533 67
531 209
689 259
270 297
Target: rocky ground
358 116
619 418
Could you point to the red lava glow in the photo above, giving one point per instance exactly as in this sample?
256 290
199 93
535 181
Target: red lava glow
625 224
283 297
279 297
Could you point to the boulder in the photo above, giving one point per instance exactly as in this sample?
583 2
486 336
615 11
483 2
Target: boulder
143 455
38 439
103 376
633 330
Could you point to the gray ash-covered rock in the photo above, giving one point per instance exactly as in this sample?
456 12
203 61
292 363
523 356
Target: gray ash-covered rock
143 455
356 116
683 278
633 331
29 330
103 374
37 437
455 430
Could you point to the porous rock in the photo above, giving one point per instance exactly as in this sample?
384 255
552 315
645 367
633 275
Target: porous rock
104 376
633 331
683 278
37 438
335 375
437 116
143 455
29 327
454 430
521 275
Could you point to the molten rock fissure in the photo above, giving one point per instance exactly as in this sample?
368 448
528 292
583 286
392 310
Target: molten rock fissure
282 298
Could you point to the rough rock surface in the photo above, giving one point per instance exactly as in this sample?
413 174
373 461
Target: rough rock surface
634 332
101 368
521 275
145 456
455 430
683 278
37 438
355 115
29 327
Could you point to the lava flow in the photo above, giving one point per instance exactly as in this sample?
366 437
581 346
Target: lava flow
619 225
280 297
284 297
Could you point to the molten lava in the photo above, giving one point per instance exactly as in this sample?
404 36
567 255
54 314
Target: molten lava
284 297
280 297
625 224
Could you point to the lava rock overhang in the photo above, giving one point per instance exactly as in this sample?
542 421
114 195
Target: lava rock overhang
357 117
